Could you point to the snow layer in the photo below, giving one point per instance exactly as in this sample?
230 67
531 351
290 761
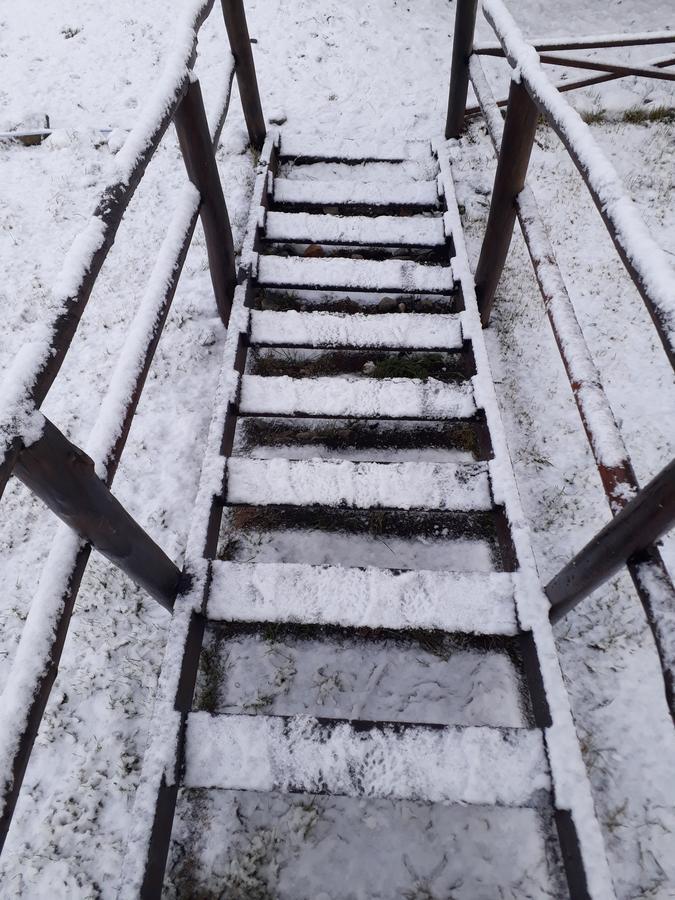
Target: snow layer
294 146
363 598
448 765
423 231
366 398
359 274
356 193
326 329
340 482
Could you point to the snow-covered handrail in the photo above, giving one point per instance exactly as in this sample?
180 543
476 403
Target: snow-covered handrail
592 42
642 257
38 363
531 93
650 576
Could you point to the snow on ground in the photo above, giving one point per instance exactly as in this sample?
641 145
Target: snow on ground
363 70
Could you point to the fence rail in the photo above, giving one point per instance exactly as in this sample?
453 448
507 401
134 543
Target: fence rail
629 538
75 484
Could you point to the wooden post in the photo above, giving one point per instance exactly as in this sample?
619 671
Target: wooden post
462 46
240 43
63 477
514 156
200 161
640 523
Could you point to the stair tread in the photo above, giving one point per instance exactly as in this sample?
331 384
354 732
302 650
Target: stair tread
450 764
353 192
361 485
419 231
356 397
326 329
462 602
352 150
357 274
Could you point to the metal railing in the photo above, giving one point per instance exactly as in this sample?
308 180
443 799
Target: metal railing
641 516
73 485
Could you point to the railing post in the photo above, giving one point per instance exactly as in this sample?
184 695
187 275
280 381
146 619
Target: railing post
63 477
514 156
641 522
240 43
200 161
462 45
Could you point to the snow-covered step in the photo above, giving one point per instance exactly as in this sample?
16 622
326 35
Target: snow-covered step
325 329
349 192
402 398
361 485
360 274
413 231
477 765
454 602
299 147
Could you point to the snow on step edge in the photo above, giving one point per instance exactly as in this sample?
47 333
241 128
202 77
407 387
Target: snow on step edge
356 193
360 485
328 329
361 397
462 602
476 765
386 151
420 231
356 274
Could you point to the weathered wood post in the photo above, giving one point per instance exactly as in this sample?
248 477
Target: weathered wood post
462 45
641 522
240 43
514 156
200 161
63 477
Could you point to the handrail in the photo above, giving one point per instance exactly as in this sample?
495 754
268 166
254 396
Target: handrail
643 258
512 140
74 484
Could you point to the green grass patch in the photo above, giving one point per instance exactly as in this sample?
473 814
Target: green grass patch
638 115
594 116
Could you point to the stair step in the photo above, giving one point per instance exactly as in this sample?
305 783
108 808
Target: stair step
358 274
430 540
365 302
368 440
350 192
408 678
412 231
348 848
477 765
325 329
454 602
400 398
354 151
361 485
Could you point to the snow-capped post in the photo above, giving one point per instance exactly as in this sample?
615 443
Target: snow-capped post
240 44
63 477
514 156
462 47
641 522
200 161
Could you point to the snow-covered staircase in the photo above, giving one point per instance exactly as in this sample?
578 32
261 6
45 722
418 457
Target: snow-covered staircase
372 628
